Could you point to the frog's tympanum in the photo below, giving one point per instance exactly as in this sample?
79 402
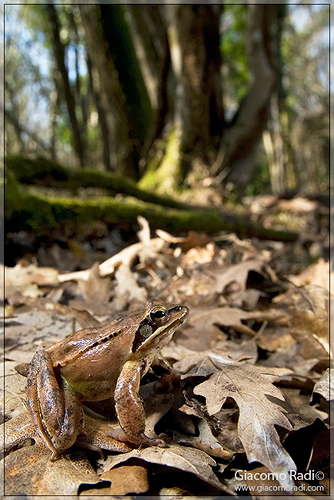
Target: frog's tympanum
96 364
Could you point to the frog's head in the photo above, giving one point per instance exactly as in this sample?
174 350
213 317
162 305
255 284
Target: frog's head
158 325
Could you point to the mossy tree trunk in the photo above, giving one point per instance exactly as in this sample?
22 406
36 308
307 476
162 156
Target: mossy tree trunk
192 126
40 213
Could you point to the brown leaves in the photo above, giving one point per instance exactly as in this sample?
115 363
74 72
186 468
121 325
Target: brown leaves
187 459
28 471
248 372
127 479
250 387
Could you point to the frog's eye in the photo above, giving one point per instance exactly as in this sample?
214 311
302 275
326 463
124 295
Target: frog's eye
159 316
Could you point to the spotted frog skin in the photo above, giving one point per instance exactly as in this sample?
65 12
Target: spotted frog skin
96 364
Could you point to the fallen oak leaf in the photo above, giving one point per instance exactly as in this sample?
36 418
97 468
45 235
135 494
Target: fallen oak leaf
191 363
324 387
238 273
249 387
127 479
323 393
232 317
28 471
201 364
186 459
308 318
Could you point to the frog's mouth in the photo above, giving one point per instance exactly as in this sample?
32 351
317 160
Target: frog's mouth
151 335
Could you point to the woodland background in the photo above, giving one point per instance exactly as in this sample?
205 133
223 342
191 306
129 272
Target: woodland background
174 96
180 152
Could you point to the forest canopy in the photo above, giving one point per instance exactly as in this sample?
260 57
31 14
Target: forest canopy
171 95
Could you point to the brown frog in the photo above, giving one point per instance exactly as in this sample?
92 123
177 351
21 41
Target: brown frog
96 364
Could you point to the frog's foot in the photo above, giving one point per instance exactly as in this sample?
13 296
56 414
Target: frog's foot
144 441
99 434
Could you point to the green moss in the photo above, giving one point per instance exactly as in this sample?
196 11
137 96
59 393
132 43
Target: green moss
29 209
24 168
43 172
164 171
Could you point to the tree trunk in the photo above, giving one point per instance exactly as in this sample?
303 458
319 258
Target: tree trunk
120 46
59 53
102 116
277 165
192 125
112 99
236 158
152 50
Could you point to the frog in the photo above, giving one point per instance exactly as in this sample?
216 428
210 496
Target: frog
96 364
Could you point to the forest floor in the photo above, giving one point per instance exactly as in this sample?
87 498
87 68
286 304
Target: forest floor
246 406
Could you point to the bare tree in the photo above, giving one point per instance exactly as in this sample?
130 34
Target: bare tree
240 140
111 101
59 54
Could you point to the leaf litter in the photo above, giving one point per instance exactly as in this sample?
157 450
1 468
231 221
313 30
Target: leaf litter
248 373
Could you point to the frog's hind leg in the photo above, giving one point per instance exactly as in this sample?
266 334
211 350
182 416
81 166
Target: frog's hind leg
39 368
73 418
52 410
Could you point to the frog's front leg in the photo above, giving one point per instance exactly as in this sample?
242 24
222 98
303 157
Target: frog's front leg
54 405
129 407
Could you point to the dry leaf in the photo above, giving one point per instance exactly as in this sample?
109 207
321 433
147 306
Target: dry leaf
187 459
249 386
199 255
26 331
28 471
96 291
85 319
266 483
308 307
156 406
127 288
18 278
315 274
14 390
205 441
127 479
16 431
201 364
237 273
202 327
324 387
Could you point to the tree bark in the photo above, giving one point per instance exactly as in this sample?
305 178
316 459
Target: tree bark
102 116
152 49
120 46
59 53
236 158
193 122
112 99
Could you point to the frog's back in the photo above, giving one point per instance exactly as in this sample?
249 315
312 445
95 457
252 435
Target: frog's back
91 360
